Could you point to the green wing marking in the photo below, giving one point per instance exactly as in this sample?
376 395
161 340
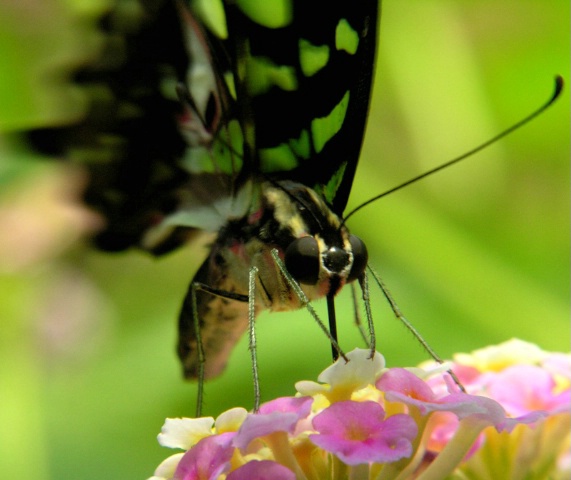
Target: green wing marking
302 72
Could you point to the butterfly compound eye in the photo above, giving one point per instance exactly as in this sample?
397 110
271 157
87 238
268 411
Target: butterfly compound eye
360 258
302 260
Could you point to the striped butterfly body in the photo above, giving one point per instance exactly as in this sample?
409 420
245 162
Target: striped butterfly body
243 119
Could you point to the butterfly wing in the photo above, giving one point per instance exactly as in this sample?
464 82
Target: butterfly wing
128 138
302 75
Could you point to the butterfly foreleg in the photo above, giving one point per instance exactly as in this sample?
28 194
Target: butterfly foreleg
305 302
398 314
357 315
372 339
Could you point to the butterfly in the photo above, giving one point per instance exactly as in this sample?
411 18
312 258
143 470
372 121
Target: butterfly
241 120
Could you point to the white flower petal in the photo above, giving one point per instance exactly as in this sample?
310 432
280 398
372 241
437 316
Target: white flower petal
359 371
165 471
230 420
184 432
309 388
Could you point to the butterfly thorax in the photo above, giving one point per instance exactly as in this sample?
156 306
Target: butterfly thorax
287 212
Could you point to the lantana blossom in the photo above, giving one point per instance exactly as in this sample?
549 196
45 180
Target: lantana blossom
261 470
208 459
357 432
363 420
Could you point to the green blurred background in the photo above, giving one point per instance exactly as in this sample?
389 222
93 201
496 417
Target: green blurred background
474 256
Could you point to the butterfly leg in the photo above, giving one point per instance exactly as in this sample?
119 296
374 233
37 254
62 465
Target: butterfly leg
211 322
198 342
252 334
357 315
372 340
410 327
305 302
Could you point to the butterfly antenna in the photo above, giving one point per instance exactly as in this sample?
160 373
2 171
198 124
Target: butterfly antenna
555 95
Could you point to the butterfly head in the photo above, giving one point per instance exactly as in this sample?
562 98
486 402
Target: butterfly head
318 250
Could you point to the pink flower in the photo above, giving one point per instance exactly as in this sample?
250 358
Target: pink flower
362 420
522 389
261 470
207 460
280 415
357 432
404 386
300 406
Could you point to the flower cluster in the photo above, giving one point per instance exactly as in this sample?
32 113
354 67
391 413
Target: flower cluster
363 420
